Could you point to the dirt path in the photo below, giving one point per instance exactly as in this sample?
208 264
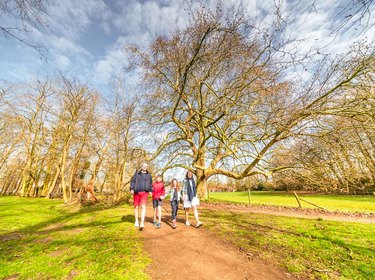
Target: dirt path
295 212
191 253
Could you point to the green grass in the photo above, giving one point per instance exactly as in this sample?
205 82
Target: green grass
331 202
316 248
42 239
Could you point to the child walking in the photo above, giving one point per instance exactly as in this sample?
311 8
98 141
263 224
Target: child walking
174 198
157 197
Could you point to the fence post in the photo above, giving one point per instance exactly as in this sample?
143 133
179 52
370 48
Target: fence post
299 202
249 195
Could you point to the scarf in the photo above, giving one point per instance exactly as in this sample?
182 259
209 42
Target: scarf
191 189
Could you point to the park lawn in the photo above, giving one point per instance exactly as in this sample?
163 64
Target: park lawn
350 203
316 248
43 239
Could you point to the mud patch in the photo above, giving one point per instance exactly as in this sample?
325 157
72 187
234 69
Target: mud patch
44 240
12 277
10 237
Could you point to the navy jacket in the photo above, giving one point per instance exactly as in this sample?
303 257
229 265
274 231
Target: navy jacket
141 182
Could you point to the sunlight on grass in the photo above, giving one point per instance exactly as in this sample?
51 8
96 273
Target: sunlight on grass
41 239
331 202
323 249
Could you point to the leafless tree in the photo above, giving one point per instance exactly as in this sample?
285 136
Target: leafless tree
218 93
27 14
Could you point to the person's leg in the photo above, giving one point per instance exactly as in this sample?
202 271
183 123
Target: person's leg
159 214
154 205
136 216
154 218
143 202
196 214
174 213
143 215
198 223
187 217
136 201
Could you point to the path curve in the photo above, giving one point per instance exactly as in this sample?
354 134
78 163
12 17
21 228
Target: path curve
294 212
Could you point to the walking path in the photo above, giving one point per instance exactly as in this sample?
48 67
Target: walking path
191 253
296 212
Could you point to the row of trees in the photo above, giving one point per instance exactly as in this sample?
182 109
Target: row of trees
56 135
339 156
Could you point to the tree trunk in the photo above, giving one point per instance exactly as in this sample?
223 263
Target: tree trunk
25 184
52 185
201 177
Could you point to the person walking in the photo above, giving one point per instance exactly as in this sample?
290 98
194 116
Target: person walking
190 198
140 186
158 193
174 194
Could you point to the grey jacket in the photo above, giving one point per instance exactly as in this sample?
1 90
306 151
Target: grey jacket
171 193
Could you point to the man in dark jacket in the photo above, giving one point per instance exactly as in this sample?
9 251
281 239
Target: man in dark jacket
140 186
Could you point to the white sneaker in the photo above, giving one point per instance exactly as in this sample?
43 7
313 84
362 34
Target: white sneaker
136 224
142 225
187 223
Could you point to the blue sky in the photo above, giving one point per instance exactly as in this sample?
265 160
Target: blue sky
86 38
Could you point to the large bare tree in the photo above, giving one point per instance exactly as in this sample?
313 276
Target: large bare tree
218 93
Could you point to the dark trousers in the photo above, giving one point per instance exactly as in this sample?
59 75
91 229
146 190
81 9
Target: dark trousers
174 205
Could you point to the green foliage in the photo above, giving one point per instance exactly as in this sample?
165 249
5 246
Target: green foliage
320 249
352 203
42 239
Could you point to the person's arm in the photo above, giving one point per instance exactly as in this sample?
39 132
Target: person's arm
162 192
150 188
132 183
169 194
153 187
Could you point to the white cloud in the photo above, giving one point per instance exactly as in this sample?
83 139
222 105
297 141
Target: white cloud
70 18
111 65
149 17
63 62
64 45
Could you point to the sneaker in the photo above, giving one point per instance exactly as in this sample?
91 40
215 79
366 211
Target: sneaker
198 224
174 225
141 227
187 224
155 223
136 224
158 225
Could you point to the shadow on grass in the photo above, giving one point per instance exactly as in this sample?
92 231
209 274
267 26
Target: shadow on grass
15 242
128 219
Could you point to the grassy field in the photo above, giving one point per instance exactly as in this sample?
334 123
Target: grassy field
317 248
42 239
330 202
